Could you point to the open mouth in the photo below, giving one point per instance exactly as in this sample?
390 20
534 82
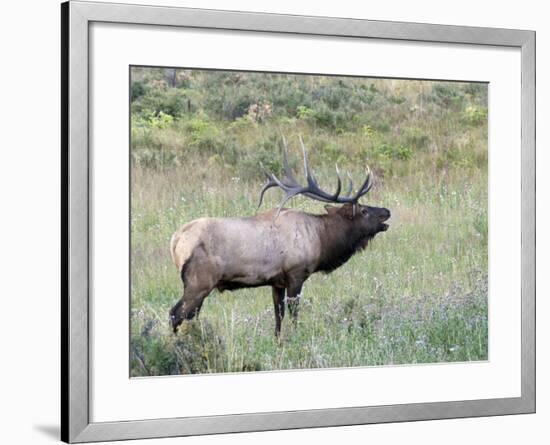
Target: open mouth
383 225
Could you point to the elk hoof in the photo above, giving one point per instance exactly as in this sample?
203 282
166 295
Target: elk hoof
174 323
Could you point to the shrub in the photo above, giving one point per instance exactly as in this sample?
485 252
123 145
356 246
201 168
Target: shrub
445 95
257 161
324 117
161 121
229 101
137 90
397 99
394 151
477 91
475 115
243 123
380 124
303 112
199 127
368 131
415 137
195 349
172 101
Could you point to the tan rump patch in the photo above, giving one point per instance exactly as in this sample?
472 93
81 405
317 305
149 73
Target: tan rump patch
184 241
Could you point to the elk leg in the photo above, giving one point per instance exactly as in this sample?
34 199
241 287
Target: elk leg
199 278
279 306
188 306
293 300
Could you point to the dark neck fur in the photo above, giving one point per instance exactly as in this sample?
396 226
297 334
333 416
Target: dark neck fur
339 241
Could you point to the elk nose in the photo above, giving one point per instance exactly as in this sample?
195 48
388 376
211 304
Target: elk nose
385 214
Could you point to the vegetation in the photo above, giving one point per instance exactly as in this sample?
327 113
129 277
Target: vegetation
418 294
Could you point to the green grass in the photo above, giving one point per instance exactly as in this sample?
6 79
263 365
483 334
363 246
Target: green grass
417 294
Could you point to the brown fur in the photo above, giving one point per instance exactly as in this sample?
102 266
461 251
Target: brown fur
281 252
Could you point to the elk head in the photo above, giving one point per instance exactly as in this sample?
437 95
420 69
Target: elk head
370 219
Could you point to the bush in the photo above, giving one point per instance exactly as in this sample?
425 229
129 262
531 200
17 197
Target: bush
380 124
303 112
161 121
394 151
199 128
397 99
237 119
475 115
415 137
172 101
446 94
368 131
266 158
195 349
477 91
206 138
137 90
324 117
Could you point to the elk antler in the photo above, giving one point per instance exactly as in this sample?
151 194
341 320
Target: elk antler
291 187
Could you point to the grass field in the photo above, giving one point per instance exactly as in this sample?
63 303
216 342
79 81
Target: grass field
417 294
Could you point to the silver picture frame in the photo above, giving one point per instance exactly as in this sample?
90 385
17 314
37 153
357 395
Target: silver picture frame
76 18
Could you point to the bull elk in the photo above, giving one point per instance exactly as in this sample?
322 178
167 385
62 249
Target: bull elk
280 248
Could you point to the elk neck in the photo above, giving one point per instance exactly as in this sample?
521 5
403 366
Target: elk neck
340 238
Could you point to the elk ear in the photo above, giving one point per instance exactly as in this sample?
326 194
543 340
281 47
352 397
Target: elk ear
331 210
348 210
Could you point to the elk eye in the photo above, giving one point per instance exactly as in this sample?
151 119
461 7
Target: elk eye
364 211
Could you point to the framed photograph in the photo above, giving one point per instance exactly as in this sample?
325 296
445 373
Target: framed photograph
276 222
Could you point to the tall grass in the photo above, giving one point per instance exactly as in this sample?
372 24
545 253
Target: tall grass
418 294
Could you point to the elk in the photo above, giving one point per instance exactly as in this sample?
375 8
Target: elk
280 248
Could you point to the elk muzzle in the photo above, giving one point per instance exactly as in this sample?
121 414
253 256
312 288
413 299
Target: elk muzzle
383 215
